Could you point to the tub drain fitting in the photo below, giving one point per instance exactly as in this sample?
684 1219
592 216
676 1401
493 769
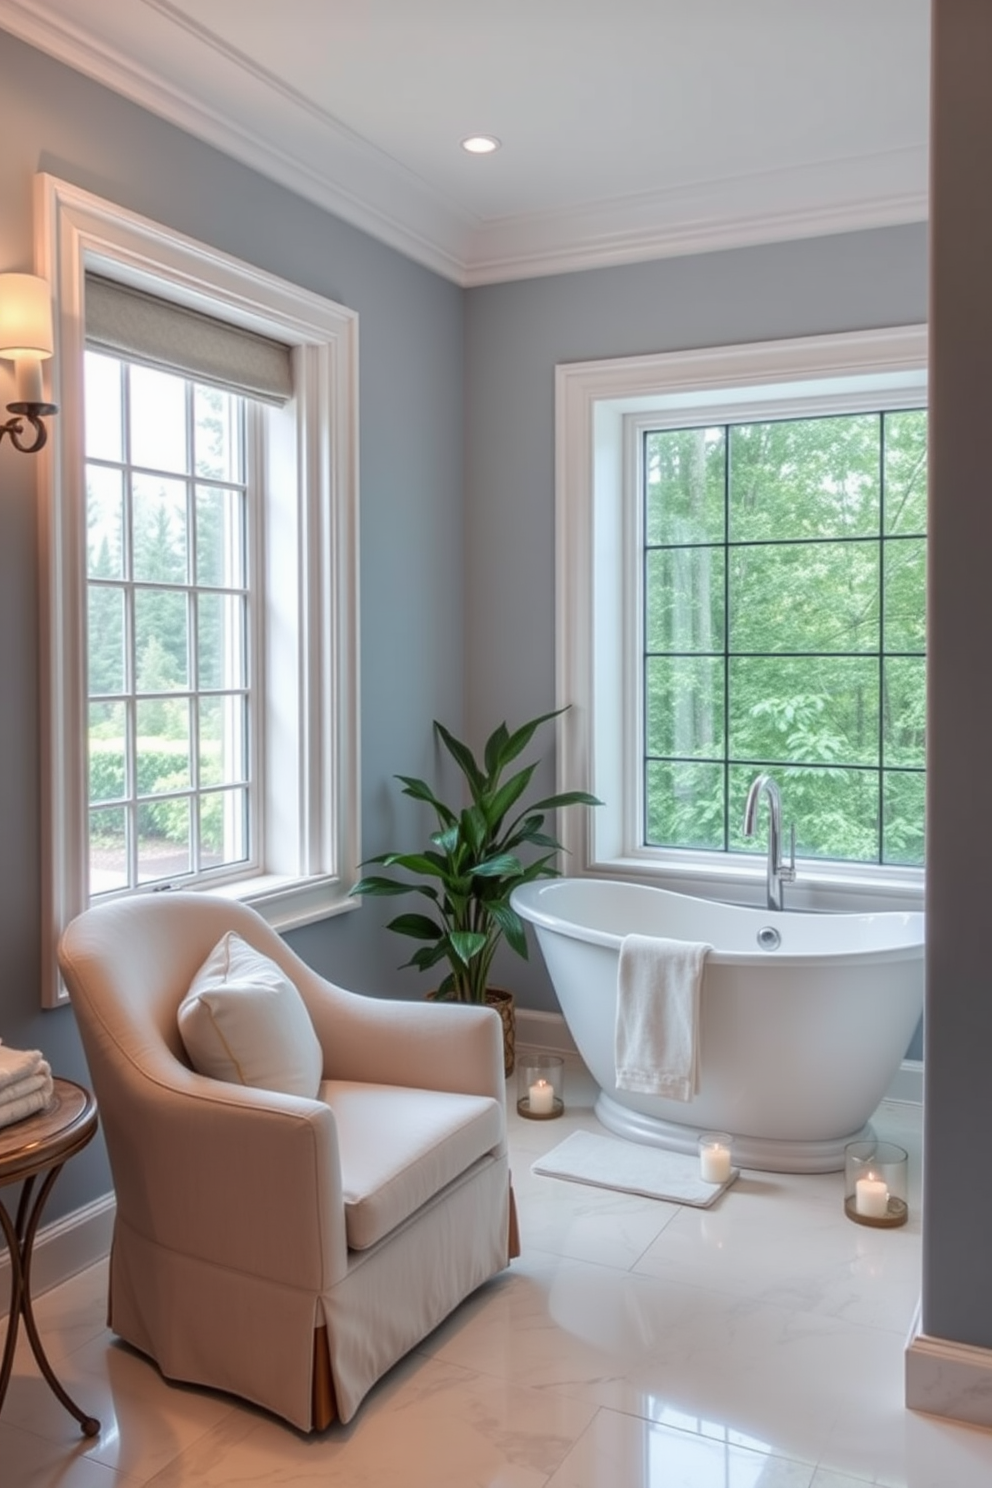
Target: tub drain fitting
769 938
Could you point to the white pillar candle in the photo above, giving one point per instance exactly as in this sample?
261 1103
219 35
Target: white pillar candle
714 1163
871 1198
542 1098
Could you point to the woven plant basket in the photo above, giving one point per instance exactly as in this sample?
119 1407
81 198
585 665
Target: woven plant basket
503 1003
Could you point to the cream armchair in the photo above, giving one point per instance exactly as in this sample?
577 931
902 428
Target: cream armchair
287 1250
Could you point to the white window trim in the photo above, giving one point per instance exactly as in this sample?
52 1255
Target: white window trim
598 406
310 659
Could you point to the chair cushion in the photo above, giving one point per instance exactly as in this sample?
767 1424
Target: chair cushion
244 1021
399 1147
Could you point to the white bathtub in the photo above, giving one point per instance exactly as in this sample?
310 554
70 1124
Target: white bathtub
798 1044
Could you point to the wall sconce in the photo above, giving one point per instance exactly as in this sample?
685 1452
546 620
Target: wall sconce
26 339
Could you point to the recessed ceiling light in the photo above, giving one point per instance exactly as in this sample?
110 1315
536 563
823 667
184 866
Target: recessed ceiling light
480 144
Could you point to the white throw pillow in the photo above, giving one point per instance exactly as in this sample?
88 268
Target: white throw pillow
243 1020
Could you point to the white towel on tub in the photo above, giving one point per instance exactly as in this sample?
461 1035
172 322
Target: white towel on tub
657 1028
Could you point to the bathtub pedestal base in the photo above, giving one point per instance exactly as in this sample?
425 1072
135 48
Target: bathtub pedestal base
764 1154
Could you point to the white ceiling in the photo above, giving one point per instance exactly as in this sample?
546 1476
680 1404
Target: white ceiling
631 129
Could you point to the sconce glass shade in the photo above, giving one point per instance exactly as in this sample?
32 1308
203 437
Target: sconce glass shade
25 317
26 339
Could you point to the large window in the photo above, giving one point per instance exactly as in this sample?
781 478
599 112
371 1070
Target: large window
740 588
172 671
783 630
199 576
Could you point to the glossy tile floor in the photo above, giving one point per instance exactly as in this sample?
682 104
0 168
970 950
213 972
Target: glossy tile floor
635 1344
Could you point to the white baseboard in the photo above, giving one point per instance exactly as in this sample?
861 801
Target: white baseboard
66 1246
948 1379
548 1033
545 1032
907 1083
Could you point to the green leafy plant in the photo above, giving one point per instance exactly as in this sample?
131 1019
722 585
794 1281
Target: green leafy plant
472 866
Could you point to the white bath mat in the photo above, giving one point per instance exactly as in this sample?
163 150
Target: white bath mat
631 1167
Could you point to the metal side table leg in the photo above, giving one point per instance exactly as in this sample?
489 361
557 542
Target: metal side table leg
20 1237
16 1292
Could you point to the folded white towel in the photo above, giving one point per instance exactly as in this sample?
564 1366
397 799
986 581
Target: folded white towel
28 1105
657 1026
16 1063
27 1086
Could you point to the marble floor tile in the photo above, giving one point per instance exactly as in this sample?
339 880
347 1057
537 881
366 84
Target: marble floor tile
634 1344
770 1244
70 1316
943 1454
144 1421
885 1444
825 1478
429 1425
585 1223
537 1137
620 1449
29 1461
643 1346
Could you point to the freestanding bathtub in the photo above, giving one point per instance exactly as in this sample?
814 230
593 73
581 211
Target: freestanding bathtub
801 1030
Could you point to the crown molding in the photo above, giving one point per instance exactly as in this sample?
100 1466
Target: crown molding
323 161
508 261
423 228
833 196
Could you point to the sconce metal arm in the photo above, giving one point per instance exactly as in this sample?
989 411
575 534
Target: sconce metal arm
34 413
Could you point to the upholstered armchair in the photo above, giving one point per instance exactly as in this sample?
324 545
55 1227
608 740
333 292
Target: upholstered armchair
286 1249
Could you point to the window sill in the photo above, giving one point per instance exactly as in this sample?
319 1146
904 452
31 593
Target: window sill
286 903
822 888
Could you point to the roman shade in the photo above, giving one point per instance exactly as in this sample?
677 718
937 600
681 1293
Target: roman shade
130 323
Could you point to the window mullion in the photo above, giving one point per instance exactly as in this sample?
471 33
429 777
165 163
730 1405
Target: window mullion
192 634
131 669
253 460
881 637
726 637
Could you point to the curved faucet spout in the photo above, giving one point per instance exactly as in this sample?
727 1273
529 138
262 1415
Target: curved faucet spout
778 872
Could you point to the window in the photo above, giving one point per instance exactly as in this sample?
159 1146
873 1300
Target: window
783 630
741 550
199 581
173 679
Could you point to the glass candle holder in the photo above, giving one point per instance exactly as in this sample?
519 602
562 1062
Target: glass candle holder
875 1175
540 1083
715 1156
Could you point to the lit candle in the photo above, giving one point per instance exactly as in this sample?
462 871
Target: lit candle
542 1098
871 1198
714 1163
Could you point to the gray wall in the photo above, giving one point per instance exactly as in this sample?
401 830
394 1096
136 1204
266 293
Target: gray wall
515 334
957 1298
411 347
457 593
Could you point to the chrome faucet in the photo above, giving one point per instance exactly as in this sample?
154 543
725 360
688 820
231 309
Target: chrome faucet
778 873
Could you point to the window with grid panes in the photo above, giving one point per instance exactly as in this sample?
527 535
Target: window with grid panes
199 578
171 671
784 630
740 588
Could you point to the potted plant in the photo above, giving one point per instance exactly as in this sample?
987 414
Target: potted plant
472 866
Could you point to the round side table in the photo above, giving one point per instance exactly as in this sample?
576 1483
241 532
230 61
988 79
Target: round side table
38 1147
